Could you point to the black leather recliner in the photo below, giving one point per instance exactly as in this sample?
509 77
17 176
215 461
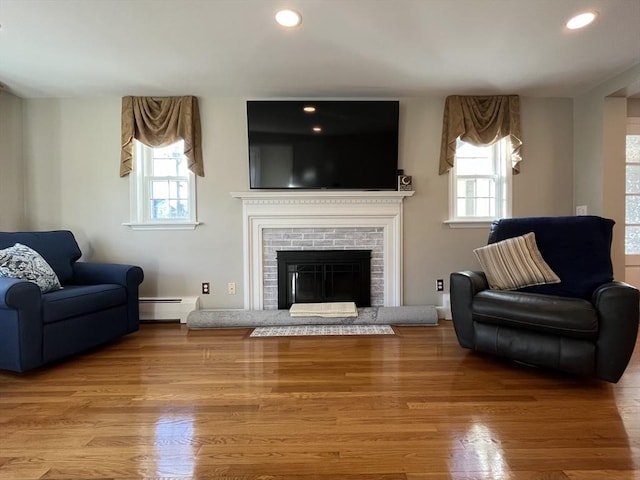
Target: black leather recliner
586 325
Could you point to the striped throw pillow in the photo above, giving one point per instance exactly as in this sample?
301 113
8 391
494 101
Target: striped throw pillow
515 263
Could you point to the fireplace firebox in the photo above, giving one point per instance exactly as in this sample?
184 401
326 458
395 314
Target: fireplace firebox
315 276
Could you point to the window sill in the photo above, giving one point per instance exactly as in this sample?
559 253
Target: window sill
162 226
469 223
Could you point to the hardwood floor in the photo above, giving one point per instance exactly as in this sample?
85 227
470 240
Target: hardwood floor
175 404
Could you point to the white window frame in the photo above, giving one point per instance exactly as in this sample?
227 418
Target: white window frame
503 168
633 128
139 187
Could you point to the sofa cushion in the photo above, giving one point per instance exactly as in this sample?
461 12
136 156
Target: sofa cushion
59 248
578 250
563 316
76 300
24 263
514 263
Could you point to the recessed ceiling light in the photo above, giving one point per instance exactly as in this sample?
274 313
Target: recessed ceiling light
317 129
581 20
309 109
288 18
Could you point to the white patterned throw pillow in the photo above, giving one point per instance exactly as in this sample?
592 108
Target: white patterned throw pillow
515 263
24 263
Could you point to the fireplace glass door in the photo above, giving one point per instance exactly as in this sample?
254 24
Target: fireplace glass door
311 276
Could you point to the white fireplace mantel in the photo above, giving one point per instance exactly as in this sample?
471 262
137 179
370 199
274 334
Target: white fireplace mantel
321 209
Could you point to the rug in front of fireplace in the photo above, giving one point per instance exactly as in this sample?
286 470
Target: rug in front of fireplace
317 330
405 315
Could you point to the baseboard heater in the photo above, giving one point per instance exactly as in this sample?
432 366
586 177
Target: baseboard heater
167 308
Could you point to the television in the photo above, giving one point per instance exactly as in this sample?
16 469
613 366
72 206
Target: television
323 144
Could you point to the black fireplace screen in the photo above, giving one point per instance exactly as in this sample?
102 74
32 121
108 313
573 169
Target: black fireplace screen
314 276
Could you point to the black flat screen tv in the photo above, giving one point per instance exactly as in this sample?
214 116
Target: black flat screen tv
323 144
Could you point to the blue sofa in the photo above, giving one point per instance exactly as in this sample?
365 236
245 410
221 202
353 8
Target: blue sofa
97 304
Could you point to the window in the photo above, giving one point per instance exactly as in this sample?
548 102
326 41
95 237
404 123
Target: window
480 189
632 191
162 188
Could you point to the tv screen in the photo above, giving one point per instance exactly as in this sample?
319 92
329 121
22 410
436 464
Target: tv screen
323 144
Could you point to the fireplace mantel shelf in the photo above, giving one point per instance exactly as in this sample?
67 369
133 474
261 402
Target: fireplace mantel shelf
321 196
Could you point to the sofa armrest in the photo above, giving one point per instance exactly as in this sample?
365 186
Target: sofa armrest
463 287
129 276
618 306
91 273
20 325
16 294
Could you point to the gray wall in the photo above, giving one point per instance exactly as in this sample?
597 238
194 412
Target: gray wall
72 150
588 144
11 163
633 107
599 126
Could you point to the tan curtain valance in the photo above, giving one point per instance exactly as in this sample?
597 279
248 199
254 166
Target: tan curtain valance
480 121
158 122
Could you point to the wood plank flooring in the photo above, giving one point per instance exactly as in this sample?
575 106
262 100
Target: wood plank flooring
168 403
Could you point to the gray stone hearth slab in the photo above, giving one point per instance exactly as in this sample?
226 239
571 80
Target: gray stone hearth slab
406 315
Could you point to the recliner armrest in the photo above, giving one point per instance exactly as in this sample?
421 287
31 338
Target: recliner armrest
463 287
618 308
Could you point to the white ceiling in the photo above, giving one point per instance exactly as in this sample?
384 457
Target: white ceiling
344 48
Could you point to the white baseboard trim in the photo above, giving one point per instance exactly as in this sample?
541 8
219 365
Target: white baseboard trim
444 310
167 308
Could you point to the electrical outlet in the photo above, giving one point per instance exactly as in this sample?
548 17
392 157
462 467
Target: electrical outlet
231 288
440 285
206 288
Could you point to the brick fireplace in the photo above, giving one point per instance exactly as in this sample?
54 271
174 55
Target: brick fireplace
321 220
276 240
